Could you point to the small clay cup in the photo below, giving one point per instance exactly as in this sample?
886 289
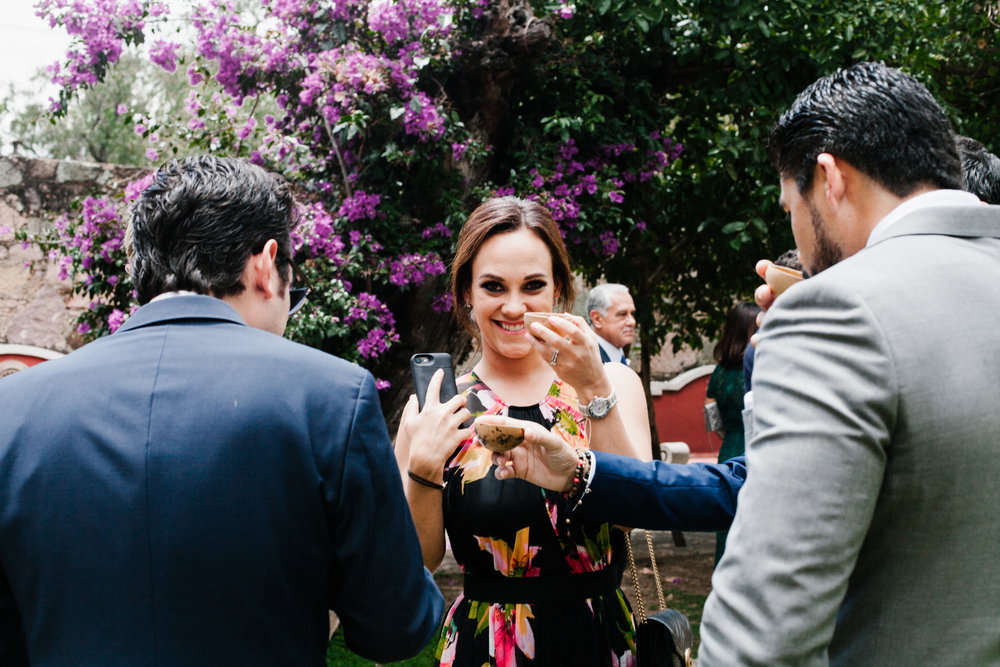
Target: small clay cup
498 437
781 278
540 318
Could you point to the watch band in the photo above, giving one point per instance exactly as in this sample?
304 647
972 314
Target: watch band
599 406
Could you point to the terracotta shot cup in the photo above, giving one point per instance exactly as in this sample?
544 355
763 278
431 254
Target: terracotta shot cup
540 318
781 278
498 437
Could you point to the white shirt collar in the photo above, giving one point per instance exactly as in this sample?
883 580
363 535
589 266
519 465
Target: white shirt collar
167 295
614 353
925 200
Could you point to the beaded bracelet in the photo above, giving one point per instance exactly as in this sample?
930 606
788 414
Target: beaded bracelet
578 487
424 482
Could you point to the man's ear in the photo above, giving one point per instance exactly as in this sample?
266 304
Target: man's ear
264 269
831 179
595 319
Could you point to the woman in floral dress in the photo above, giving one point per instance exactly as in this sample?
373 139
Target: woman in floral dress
541 587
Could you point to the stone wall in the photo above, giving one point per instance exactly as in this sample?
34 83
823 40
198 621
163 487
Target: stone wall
36 308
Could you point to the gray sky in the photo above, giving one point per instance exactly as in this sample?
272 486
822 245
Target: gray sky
26 42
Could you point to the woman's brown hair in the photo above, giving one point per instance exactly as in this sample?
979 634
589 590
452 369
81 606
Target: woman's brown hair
499 216
740 325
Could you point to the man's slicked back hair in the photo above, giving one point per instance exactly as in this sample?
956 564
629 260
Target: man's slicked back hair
199 221
881 121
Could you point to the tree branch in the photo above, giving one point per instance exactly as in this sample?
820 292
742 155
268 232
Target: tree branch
340 159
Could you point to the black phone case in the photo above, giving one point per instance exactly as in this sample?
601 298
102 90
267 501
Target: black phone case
423 365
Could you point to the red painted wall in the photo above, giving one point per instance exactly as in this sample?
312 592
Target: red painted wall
680 417
15 358
23 358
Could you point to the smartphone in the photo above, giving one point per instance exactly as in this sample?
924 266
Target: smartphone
423 365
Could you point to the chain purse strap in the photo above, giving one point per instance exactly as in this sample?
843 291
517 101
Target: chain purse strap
635 575
635 579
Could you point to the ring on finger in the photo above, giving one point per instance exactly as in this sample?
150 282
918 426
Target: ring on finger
555 356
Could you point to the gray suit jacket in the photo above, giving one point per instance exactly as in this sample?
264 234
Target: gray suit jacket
868 531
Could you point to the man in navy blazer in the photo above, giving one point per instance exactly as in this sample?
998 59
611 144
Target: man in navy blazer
195 489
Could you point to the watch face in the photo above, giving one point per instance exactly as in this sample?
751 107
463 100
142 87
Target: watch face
598 407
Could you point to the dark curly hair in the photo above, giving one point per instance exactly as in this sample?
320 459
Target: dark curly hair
980 170
199 221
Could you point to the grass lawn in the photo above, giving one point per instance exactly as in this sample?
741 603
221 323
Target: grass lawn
338 655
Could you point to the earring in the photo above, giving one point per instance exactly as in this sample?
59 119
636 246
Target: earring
468 306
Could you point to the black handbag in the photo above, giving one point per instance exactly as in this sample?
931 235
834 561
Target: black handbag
665 638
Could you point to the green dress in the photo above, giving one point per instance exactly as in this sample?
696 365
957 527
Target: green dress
726 387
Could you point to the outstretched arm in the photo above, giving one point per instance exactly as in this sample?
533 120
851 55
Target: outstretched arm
623 490
664 496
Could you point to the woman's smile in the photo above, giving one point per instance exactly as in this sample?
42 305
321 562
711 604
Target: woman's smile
511 327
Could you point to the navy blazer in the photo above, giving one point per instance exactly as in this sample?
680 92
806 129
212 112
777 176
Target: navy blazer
604 355
663 496
193 491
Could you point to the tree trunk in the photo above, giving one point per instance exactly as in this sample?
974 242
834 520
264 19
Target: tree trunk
643 296
645 374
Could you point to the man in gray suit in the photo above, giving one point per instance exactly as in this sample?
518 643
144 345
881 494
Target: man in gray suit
868 530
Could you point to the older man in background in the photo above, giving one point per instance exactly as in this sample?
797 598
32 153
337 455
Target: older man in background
611 314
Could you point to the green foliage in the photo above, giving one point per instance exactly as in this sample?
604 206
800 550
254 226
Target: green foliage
714 75
87 242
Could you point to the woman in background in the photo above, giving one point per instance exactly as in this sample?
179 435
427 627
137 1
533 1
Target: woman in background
725 387
541 587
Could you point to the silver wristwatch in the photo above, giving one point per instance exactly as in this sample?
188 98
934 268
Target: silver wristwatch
600 406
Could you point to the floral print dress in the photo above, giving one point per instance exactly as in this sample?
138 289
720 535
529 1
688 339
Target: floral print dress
516 530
